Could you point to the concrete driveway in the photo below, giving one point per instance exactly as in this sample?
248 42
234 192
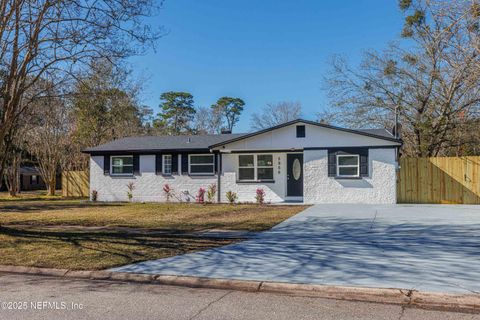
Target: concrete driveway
422 247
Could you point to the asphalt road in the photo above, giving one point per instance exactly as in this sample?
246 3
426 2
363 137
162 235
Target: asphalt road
56 298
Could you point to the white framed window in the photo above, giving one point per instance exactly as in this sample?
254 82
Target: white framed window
121 165
201 164
167 164
246 167
255 167
348 165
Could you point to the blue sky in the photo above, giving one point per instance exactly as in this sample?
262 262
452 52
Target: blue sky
261 51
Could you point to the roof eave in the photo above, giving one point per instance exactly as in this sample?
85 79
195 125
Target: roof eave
144 151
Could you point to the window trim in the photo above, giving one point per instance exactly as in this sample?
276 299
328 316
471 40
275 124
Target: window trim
255 167
348 166
201 164
163 164
120 174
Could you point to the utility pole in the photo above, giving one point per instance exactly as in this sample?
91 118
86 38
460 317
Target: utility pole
396 122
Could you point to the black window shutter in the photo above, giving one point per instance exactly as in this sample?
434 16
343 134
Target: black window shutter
174 163
332 163
158 164
136 164
364 163
215 163
106 165
184 163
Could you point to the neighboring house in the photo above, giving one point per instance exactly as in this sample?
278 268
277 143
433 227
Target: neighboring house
30 179
296 161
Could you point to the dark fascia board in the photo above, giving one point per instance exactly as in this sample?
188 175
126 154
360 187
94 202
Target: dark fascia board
393 139
264 151
388 146
166 151
144 151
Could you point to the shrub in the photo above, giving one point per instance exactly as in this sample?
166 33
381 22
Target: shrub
94 195
212 190
260 196
200 198
231 197
131 187
168 191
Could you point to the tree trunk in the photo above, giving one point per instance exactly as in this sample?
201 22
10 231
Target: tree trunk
12 176
51 186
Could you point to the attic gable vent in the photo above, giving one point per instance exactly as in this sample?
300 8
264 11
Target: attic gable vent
301 131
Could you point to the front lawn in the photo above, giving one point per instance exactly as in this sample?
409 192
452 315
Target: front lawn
166 216
92 250
26 240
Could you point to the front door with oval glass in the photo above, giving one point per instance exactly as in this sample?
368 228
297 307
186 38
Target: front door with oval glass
294 175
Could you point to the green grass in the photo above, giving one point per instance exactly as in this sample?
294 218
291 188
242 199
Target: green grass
81 249
166 216
37 195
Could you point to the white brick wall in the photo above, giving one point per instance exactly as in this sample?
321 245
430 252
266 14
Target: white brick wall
274 192
148 185
379 187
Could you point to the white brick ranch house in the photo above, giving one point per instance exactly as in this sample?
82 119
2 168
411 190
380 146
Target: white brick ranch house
297 161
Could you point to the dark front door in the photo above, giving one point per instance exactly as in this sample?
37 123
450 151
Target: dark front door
295 175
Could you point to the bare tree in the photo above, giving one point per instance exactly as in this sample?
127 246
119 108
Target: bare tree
48 136
433 81
16 156
12 171
207 121
39 39
276 113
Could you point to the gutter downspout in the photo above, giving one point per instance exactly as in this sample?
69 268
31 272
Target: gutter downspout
219 172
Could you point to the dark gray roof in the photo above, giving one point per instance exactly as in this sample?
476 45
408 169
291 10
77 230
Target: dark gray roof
159 143
29 170
378 132
204 142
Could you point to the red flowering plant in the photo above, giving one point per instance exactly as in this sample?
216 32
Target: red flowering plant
260 196
168 191
200 198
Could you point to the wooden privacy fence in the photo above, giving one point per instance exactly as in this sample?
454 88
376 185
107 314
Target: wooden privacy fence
439 180
75 184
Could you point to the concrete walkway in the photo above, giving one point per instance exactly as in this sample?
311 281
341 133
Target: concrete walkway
422 247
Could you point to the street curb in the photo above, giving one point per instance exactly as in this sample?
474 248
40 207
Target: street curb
430 300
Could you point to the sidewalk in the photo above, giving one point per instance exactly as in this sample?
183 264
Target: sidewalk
439 301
